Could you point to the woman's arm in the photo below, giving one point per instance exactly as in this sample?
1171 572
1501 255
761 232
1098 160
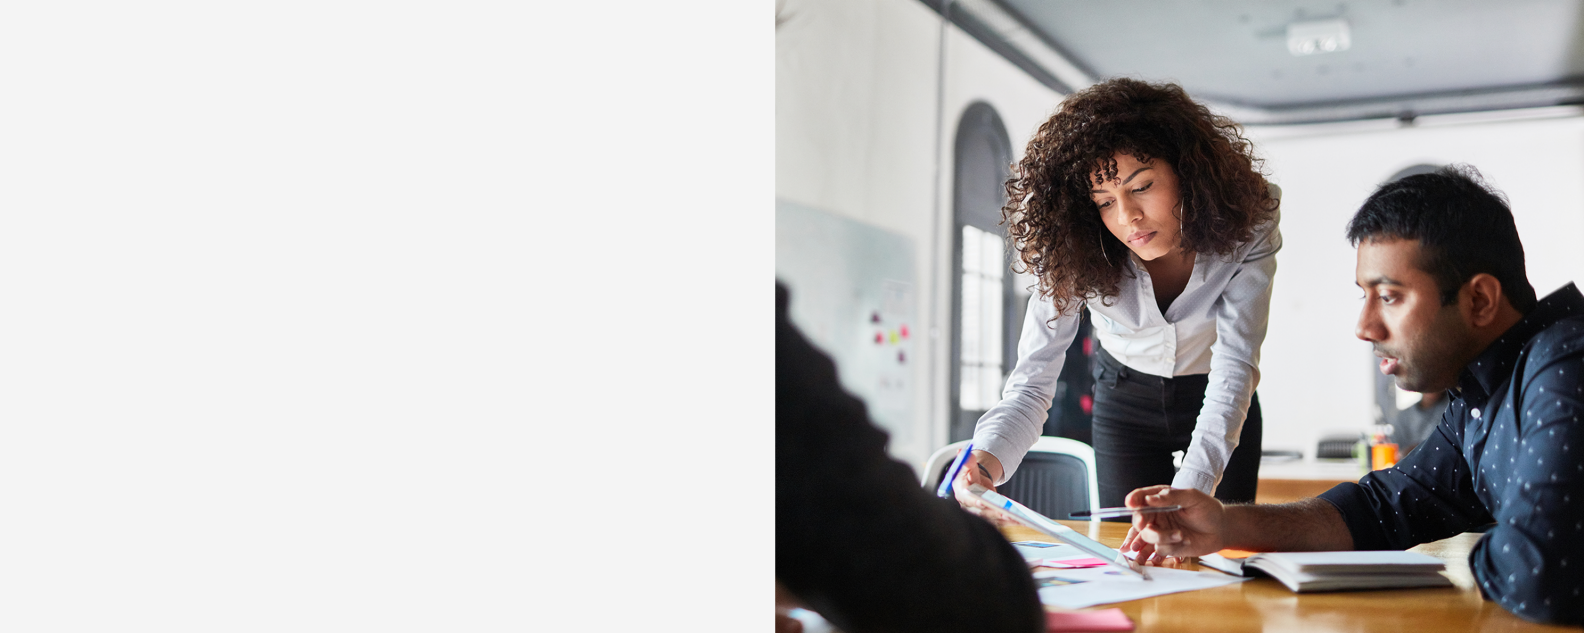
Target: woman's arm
1010 427
1242 314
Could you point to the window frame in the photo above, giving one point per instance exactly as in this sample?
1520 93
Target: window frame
981 165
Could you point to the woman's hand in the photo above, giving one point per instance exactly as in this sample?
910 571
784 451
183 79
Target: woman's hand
982 469
1195 530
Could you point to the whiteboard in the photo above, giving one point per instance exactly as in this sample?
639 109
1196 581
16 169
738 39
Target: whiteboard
853 295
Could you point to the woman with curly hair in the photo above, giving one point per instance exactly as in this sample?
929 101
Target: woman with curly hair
1143 206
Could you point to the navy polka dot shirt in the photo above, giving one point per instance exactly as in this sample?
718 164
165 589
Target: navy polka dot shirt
1508 454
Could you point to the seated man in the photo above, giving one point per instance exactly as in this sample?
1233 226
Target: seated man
857 539
1448 306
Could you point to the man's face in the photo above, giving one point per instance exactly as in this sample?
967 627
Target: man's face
1421 342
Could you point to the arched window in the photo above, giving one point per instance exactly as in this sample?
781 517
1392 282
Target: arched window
985 304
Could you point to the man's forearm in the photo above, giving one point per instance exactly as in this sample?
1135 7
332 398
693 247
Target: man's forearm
1306 525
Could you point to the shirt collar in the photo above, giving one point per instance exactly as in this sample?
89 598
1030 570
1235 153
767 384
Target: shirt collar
1491 367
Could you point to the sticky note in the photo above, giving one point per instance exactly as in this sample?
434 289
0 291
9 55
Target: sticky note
1072 563
1102 620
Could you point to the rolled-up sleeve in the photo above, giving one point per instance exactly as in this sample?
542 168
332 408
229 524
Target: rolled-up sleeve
1427 496
1010 427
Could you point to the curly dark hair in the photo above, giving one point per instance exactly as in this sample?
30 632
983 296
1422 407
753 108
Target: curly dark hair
1052 221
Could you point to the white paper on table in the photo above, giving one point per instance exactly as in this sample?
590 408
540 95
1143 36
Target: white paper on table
1100 585
1087 574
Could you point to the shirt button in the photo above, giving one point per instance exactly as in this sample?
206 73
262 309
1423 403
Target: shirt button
1476 414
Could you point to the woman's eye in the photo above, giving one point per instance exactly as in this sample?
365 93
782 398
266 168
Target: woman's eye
1144 188
1103 205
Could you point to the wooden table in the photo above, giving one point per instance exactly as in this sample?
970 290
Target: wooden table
1265 605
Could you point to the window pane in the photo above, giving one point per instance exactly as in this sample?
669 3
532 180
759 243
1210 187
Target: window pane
972 318
983 268
993 265
969 389
973 242
991 309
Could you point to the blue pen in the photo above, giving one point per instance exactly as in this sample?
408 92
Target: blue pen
945 490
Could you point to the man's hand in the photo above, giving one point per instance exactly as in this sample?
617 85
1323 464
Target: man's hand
1145 553
1197 529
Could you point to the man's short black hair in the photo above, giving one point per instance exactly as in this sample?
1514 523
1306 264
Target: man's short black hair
1464 227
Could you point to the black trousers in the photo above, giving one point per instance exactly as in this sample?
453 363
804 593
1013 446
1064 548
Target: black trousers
1139 419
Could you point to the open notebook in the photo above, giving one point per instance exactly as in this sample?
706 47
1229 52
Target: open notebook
1337 571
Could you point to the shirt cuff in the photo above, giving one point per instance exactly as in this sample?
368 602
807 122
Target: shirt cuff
1195 480
1004 452
1358 514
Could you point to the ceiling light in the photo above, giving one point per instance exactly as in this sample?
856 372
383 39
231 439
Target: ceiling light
1318 36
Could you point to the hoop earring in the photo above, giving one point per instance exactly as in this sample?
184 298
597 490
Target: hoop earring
1180 213
1101 235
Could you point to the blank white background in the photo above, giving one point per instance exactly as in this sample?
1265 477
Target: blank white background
345 315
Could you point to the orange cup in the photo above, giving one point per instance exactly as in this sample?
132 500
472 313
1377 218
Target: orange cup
1383 456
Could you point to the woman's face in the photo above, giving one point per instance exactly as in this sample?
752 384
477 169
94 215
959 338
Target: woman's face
1140 206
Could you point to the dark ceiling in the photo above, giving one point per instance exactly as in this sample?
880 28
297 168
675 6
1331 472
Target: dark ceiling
1404 57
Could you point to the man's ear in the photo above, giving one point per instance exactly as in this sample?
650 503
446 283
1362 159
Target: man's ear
1484 294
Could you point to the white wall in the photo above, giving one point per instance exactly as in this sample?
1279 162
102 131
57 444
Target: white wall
1315 372
858 83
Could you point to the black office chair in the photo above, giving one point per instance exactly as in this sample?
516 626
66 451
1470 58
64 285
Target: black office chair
1056 478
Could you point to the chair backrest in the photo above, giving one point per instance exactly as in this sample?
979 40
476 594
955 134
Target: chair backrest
1057 476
